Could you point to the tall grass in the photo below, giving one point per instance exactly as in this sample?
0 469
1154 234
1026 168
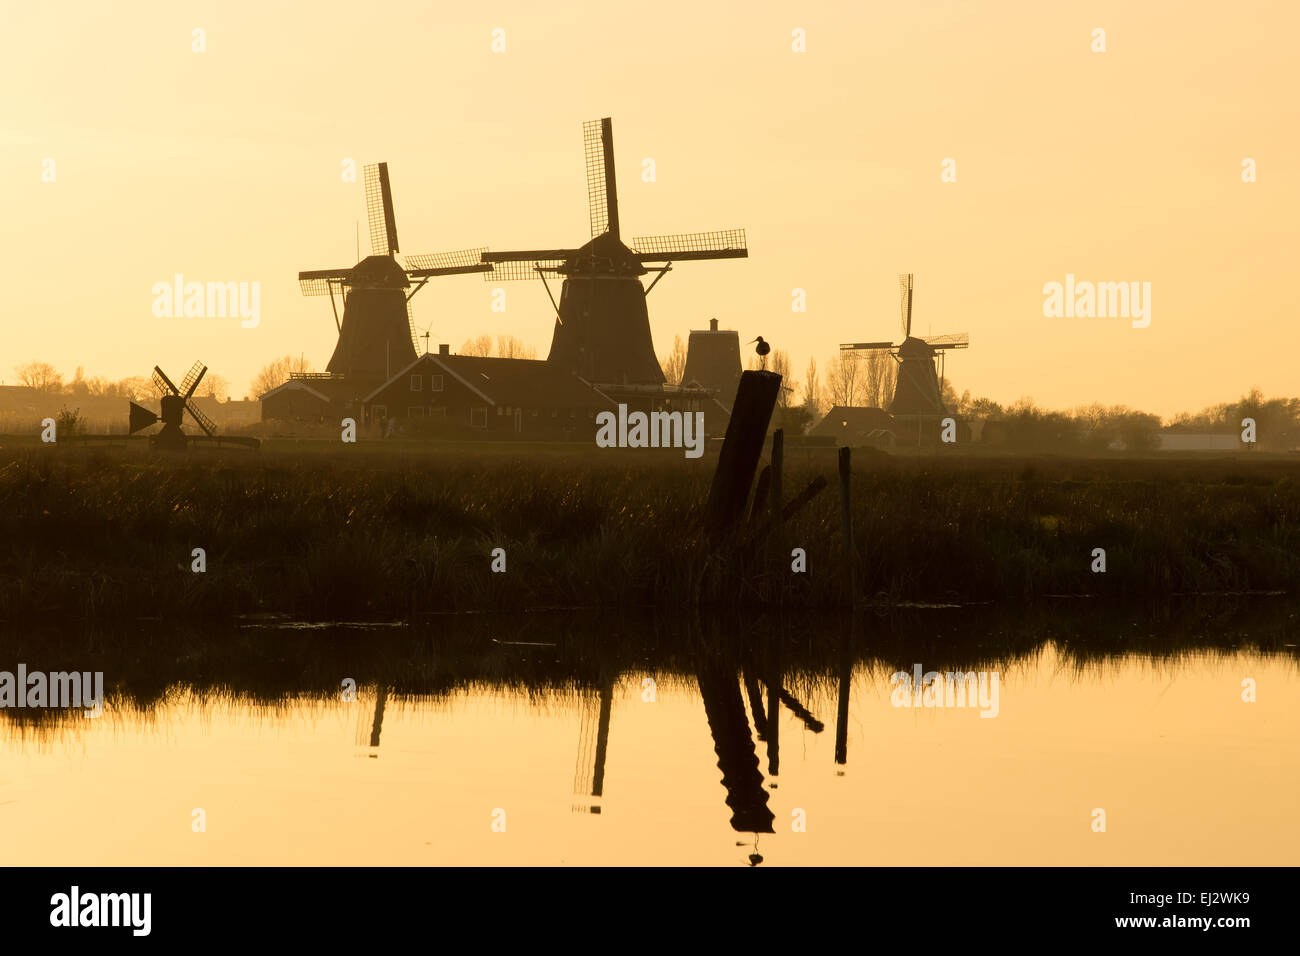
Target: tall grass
109 533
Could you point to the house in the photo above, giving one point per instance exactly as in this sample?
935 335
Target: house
474 396
850 425
312 397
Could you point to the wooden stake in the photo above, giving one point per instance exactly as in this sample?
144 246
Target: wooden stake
741 449
846 523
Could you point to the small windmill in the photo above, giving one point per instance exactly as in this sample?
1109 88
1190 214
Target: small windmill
175 402
602 327
377 331
918 390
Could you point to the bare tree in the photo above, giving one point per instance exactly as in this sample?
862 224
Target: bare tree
842 379
137 388
510 347
277 373
42 376
214 386
674 366
812 389
480 346
879 372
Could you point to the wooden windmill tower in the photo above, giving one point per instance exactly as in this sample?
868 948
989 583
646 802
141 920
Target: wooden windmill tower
377 333
918 389
602 327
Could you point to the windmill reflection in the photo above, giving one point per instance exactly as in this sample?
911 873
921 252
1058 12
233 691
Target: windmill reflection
589 775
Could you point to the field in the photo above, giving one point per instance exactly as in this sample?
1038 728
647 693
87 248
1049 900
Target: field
377 532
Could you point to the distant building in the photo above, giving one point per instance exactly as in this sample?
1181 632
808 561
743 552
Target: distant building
473 396
713 362
312 397
852 425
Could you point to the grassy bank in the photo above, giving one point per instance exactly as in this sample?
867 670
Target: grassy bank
108 533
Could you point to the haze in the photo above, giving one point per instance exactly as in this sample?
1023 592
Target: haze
1118 166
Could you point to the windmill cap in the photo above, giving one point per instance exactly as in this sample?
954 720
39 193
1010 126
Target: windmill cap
378 270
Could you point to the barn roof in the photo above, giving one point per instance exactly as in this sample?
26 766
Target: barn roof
504 381
847 421
326 389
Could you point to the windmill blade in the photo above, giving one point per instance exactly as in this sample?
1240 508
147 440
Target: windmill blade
723 244
905 301
208 425
379 211
956 340
864 346
163 383
602 190
507 266
447 263
317 281
192 378
410 321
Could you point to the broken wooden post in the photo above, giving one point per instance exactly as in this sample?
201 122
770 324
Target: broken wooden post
741 449
778 456
846 522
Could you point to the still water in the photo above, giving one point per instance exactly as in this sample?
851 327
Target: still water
536 747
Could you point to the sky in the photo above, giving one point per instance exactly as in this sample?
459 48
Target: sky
226 165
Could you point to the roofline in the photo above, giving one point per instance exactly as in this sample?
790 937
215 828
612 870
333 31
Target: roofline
297 382
395 376
473 388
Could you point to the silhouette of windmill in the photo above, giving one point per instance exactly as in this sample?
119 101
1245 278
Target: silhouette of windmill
174 402
377 332
918 390
602 327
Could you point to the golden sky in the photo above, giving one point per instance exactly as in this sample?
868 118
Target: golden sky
1121 166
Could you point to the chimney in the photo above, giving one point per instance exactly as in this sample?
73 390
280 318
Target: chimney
713 325
444 348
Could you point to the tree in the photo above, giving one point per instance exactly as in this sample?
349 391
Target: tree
277 373
878 374
137 388
510 347
215 387
674 366
842 379
41 376
812 389
480 346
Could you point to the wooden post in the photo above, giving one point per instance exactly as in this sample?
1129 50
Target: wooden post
846 523
778 458
741 449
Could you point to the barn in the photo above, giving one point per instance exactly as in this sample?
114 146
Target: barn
311 397
851 425
472 396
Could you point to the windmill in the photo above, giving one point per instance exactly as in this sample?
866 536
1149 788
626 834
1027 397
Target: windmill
918 390
377 332
602 328
175 402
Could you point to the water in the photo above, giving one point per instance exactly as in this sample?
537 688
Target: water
1136 713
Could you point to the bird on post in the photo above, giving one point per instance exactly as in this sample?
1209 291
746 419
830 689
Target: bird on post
762 349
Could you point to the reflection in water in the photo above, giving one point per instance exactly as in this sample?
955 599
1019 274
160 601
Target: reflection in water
1134 710
589 777
735 749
